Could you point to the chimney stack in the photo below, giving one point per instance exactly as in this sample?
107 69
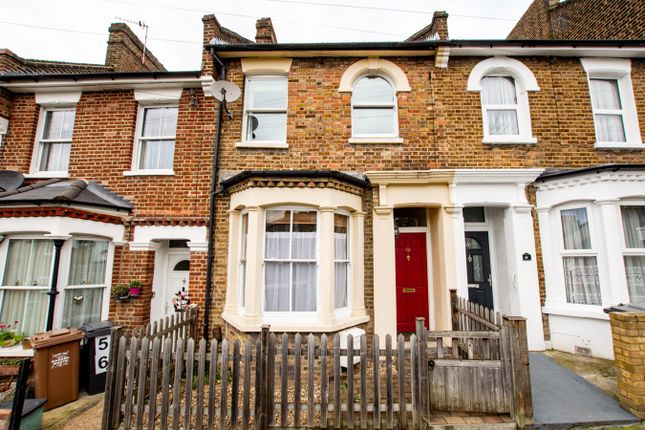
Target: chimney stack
264 31
437 29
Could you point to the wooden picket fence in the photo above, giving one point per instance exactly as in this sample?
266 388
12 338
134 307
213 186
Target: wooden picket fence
179 325
469 316
296 381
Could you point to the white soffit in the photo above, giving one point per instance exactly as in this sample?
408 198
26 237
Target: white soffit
158 95
102 84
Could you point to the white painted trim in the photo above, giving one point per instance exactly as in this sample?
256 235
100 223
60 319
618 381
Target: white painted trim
71 85
36 154
375 140
277 110
374 65
263 145
61 226
47 175
509 140
145 237
270 66
161 95
502 65
58 99
149 172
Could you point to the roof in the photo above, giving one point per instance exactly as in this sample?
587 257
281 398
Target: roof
65 192
550 174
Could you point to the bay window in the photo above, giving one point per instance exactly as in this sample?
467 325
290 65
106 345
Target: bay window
27 277
633 218
579 260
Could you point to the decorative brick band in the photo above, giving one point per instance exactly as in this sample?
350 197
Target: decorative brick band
53 211
178 221
257 182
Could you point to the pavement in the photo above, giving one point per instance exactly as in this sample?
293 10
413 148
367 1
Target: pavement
562 399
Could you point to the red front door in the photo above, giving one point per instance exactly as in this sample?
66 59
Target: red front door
411 280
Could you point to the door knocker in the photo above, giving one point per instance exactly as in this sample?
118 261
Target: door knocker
407 257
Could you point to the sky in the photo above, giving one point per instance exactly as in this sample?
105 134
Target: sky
77 30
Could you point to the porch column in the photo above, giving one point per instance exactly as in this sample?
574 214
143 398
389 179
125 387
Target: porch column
525 274
326 266
254 267
454 247
59 241
617 291
384 272
358 266
233 260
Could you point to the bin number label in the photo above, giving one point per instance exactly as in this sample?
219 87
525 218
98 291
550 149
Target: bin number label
101 354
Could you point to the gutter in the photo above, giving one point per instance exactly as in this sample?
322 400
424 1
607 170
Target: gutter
211 209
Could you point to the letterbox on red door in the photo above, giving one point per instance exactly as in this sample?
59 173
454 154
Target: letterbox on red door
56 362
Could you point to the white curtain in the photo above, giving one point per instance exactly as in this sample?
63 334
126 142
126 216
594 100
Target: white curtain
88 262
575 228
341 260
581 280
635 271
157 154
29 267
605 96
291 238
54 157
634 226
82 305
499 91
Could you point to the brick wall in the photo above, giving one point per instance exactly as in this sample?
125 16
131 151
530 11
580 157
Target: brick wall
213 30
628 334
126 53
582 19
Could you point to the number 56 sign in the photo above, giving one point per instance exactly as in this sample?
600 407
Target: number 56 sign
101 354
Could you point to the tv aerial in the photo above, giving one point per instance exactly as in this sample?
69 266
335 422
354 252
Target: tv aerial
225 91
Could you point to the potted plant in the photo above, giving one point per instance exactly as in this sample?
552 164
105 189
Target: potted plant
135 288
8 335
121 292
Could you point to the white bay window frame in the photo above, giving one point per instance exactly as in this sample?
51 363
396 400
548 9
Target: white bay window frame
616 70
253 203
631 251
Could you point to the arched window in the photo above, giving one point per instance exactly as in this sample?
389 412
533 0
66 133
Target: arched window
504 84
374 108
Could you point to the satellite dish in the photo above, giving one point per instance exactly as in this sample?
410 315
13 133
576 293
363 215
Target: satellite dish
225 91
10 180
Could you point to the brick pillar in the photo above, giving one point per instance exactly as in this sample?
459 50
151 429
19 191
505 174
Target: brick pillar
628 334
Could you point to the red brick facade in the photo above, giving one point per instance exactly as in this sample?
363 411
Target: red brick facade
439 120
581 19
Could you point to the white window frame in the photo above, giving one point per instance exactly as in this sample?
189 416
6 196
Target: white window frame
628 252
524 81
591 252
277 110
346 310
242 261
291 315
358 138
35 171
63 273
520 113
617 69
138 138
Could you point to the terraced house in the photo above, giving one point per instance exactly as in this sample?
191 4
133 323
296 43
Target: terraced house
356 185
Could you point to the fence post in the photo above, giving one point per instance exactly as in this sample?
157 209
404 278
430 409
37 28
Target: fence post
108 397
19 396
265 396
521 401
422 357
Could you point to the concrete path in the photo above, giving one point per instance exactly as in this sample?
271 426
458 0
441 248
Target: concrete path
562 399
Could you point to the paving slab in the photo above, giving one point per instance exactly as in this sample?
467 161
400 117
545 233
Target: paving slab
562 399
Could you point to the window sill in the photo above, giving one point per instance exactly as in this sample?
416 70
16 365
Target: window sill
262 145
47 175
510 140
577 311
376 140
312 325
619 145
151 172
